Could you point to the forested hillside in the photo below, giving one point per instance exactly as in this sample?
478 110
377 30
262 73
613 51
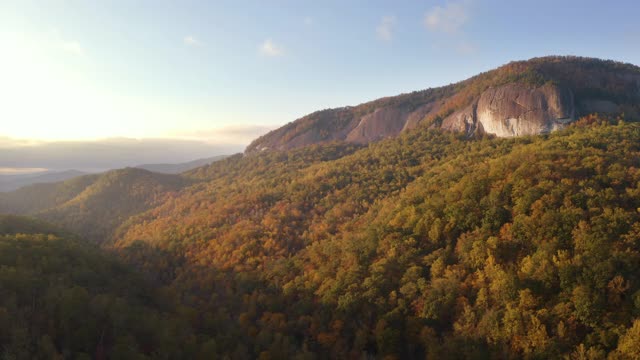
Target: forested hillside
63 298
94 205
40 197
546 91
430 244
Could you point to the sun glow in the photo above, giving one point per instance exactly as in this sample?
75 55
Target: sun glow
42 100
48 94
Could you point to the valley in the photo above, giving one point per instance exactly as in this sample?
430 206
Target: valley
355 233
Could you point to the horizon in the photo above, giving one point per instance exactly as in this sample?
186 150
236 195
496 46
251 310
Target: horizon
297 179
247 134
226 73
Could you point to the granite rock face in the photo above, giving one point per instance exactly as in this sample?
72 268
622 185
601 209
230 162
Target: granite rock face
464 120
505 111
515 110
532 97
340 125
377 125
387 121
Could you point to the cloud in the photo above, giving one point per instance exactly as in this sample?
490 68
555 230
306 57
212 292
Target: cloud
190 40
8 142
385 28
112 153
308 20
269 48
448 19
73 47
234 134
18 171
466 48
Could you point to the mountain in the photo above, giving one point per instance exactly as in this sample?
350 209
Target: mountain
182 167
521 98
105 154
40 197
113 198
13 182
429 243
94 205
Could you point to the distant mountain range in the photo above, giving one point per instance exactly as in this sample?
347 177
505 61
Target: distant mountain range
178 168
13 182
105 154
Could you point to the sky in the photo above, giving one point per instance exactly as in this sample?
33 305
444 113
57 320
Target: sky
224 72
103 154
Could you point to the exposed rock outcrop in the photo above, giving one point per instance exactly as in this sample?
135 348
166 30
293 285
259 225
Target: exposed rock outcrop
377 125
343 125
388 121
515 110
464 120
531 97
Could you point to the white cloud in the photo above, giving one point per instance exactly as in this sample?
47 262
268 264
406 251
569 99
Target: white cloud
466 48
19 171
308 20
448 19
73 47
231 134
9 142
269 48
190 40
112 153
385 28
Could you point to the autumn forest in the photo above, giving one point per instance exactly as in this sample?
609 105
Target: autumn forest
429 244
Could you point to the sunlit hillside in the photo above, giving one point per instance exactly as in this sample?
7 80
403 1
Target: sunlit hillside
311 180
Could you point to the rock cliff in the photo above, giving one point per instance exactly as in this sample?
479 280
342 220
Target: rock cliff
515 110
531 97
